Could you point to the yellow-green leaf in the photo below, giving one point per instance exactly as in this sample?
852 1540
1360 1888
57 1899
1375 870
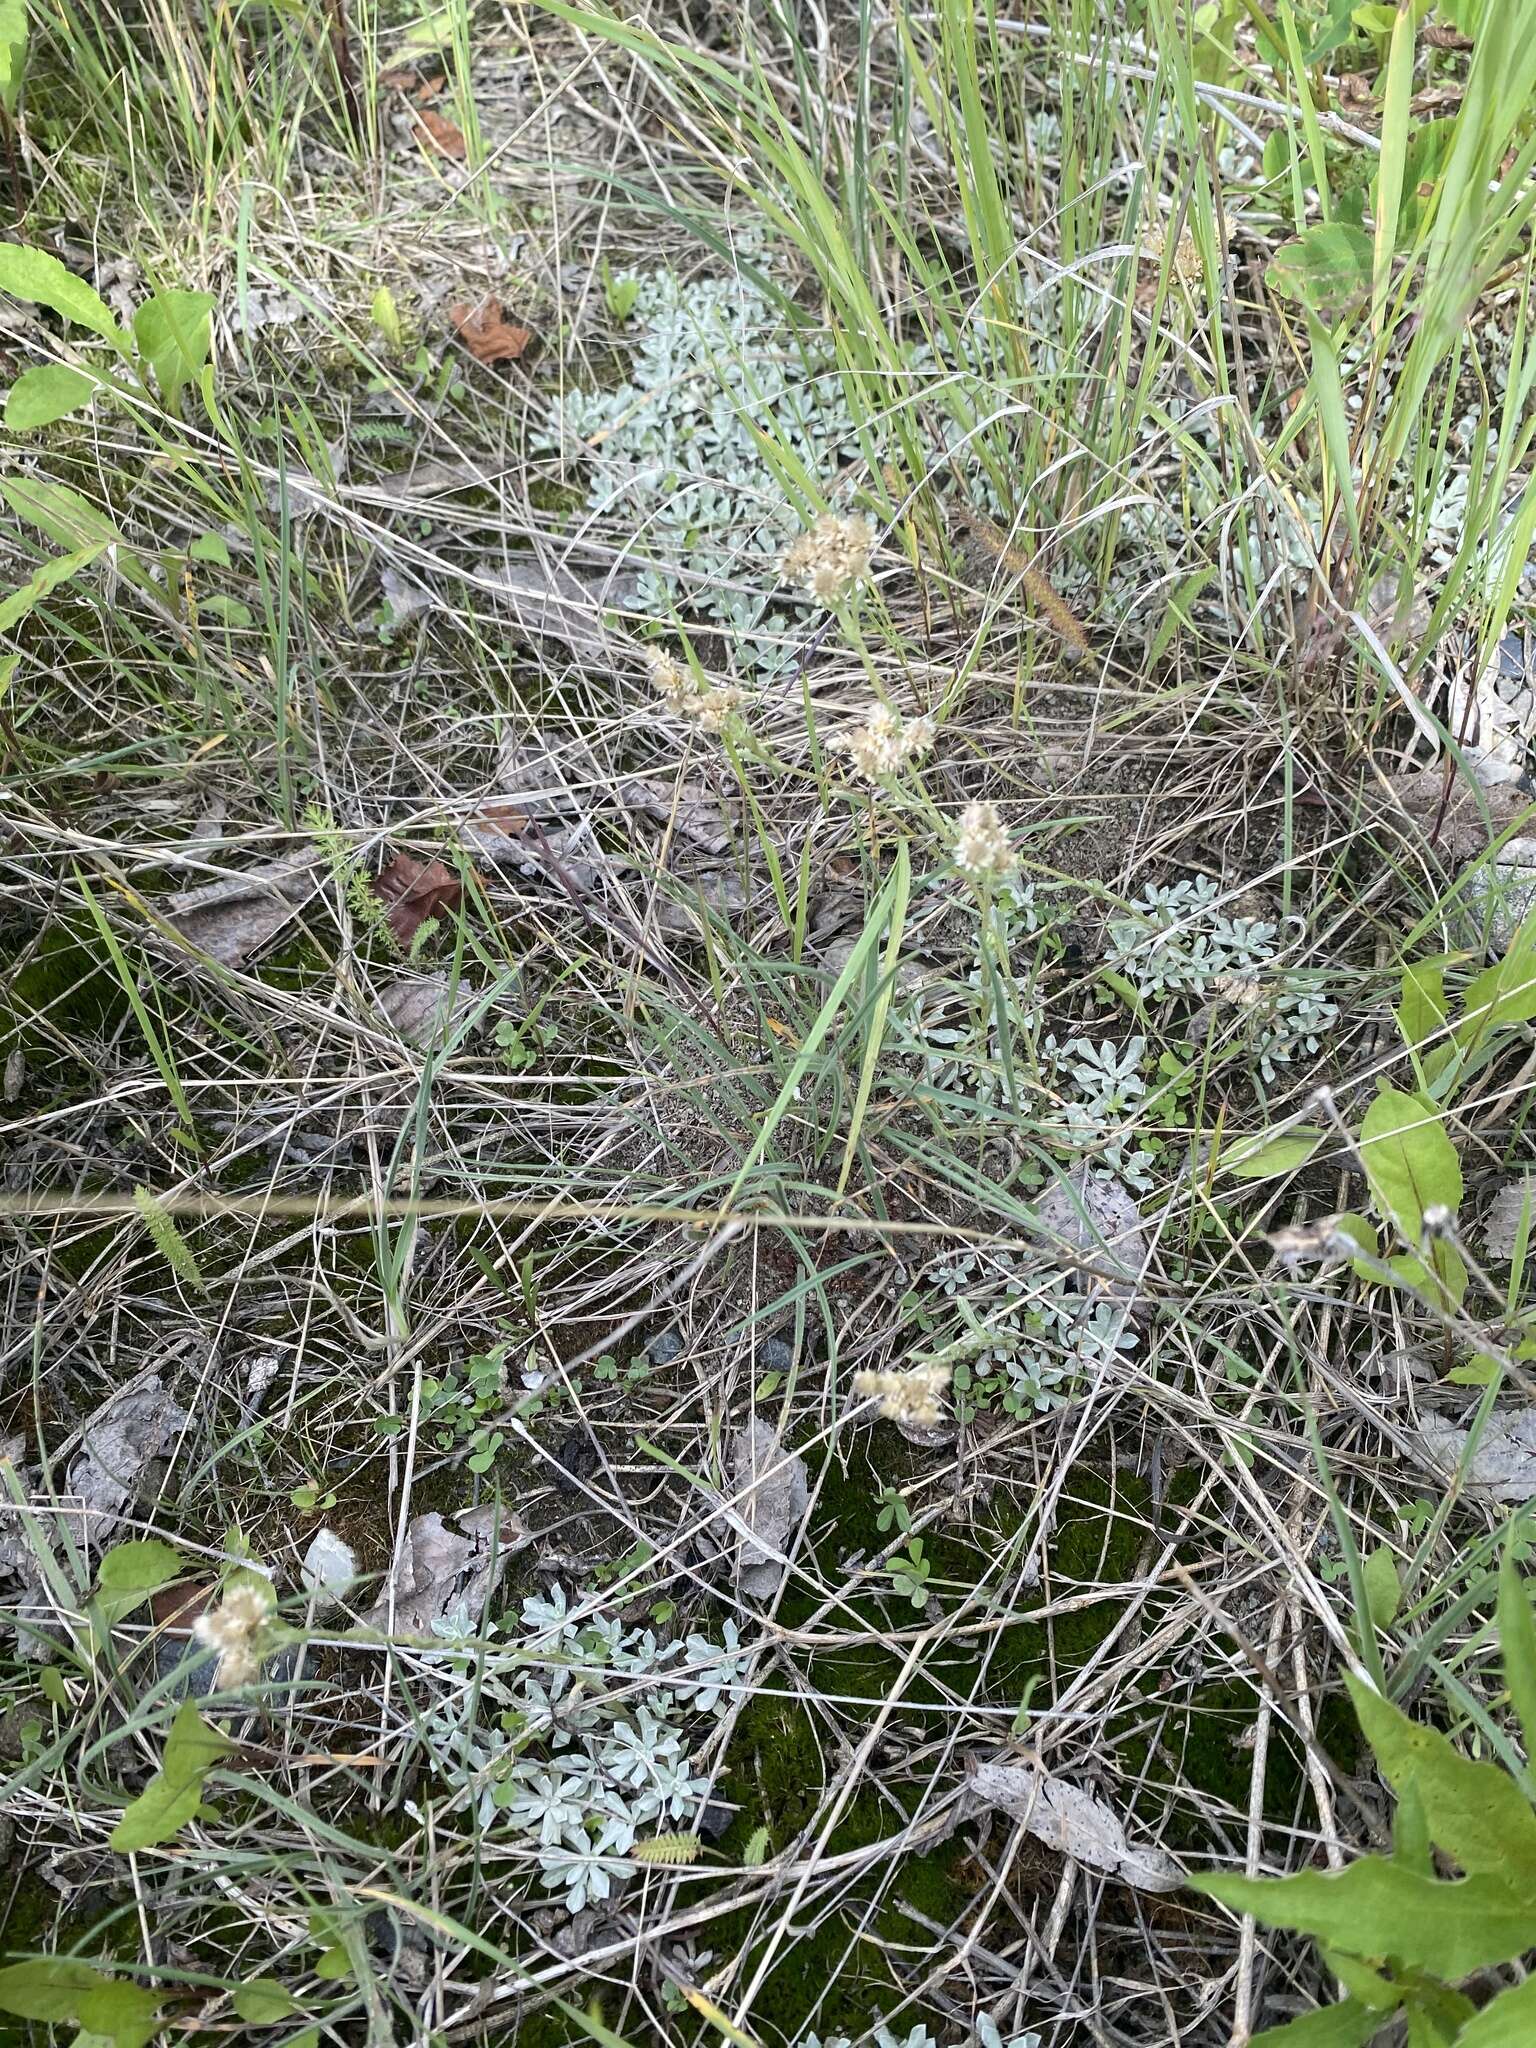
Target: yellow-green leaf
173 1796
1421 1011
50 392
42 280
1508 2021
1517 1641
1266 1156
130 1572
1383 1587
1475 1812
172 331
64 516
1379 1908
44 580
263 2001
1412 1166
59 1989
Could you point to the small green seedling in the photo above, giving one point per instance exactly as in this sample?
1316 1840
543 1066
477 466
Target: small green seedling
910 1572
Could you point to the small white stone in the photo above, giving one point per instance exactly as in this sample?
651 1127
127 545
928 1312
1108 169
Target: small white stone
1502 893
330 1565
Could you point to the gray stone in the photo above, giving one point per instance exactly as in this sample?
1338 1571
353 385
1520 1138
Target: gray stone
330 1564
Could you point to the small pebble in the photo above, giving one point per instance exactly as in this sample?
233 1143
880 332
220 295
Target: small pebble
662 1350
774 1355
330 1564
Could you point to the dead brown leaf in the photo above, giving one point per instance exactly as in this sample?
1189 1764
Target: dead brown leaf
487 333
414 890
441 133
421 85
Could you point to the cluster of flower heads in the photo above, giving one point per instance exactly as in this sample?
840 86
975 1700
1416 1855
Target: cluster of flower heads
1175 940
914 1397
687 696
830 559
592 1738
884 743
982 847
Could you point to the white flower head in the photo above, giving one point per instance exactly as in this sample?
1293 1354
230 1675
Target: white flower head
913 1397
885 743
830 559
981 843
233 1629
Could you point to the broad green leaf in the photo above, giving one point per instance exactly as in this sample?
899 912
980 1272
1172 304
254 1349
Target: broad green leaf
1421 1011
1263 1157
60 569
1476 1813
385 315
130 1572
57 1989
1383 1588
42 280
13 51
1411 1844
67 519
1379 1908
334 1965
173 1796
264 2001
1327 268
1480 1371
1517 1642
1449 1276
172 332
1412 1166
50 392
1502 994
1508 2021
210 547
1348 2025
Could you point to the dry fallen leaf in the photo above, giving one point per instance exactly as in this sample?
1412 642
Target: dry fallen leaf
770 1494
420 1006
415 890
438 131
1511 1215
1092 1225
233 917
1503 1464
1074 1823
487 333
116 1447
440 1570
1459 820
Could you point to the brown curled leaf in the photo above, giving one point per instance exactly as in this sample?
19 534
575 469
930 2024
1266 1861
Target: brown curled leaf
487 333
413 891
439 133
